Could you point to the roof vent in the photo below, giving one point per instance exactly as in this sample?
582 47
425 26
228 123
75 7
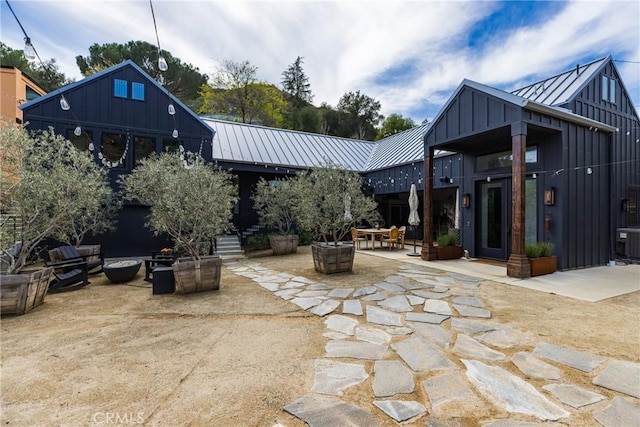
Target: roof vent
577 68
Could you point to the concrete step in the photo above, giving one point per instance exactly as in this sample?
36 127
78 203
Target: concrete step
228 247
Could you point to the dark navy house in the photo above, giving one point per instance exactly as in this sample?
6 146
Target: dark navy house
555 161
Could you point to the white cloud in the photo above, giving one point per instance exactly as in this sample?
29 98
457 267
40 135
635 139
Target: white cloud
347 46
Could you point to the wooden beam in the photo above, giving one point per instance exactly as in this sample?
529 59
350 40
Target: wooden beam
518 264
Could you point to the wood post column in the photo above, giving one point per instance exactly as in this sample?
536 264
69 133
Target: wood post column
518 264
428 252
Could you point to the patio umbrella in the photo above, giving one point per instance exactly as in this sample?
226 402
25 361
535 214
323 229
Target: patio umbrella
414 218
347 208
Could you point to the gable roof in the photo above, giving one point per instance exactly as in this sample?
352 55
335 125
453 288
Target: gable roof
110 70
560 89
403 147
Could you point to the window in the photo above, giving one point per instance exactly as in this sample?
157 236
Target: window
170 146
504 159
608 89
31 93
137 91
113 146
80 142
143 148
120 88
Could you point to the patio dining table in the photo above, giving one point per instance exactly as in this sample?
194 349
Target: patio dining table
373 232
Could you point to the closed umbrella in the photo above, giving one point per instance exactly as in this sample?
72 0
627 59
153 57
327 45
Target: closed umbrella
414 218
347 208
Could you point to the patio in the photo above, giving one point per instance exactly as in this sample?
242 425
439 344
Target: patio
221 357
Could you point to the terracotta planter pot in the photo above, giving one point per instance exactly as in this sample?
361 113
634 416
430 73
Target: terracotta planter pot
20 293
329 259
449 252
197 275
543 265
284 244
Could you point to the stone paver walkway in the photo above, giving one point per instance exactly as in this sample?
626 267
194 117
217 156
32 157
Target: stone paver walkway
426 322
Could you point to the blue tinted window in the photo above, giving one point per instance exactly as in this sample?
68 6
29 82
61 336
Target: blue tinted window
137 91
120 88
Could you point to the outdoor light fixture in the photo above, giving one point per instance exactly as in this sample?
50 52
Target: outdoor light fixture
445 179
64 104
171 109
162 63
77 131
550 196
624 205
466 200
29 51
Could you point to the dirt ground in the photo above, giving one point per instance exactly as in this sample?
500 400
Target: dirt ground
118 355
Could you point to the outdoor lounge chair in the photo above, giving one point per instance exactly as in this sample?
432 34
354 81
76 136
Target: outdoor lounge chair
68 276
70 254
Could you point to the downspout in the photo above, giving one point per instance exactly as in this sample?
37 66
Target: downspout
612 205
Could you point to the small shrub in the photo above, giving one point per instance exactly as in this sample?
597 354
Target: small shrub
538 250
532 250
258 242
447 240
546 248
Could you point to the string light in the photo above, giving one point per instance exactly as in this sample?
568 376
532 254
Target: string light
162 63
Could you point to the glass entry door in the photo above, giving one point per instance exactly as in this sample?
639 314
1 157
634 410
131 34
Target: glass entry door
493 208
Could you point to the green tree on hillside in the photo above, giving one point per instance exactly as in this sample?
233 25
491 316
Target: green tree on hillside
182 80
236 91
393 124
297 88
363 114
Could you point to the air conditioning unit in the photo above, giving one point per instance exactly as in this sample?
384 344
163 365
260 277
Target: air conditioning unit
628 242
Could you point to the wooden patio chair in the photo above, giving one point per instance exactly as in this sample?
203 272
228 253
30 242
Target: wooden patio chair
70 254
357 237
68 276
392 240
401 232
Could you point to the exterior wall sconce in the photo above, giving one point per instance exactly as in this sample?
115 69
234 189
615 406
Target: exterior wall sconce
446 180
466 200
550 196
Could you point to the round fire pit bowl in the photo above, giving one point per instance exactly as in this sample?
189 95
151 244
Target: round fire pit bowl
122 271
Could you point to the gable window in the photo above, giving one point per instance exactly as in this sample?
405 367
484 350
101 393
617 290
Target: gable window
170 146
113 148
80 142
143 147
608 89
504 159
120 88
137 91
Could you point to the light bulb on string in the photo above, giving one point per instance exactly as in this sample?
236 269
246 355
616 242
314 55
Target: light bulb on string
162 63
175 133
171 109
91 146
64 104
29 51
77 131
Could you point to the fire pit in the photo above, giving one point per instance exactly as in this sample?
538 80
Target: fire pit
122 271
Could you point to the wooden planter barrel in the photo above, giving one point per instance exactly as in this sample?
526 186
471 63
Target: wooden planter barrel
543 265
284 244
197 275
20 293
449 252
329 259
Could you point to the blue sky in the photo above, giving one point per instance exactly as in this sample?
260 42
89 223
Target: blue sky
410 56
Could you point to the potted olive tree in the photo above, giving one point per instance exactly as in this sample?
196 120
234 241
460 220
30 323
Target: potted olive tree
278 203
46 185
331 202
540 259
190 201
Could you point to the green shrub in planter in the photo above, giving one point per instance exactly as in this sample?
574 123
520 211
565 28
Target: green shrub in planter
447 240
538 250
